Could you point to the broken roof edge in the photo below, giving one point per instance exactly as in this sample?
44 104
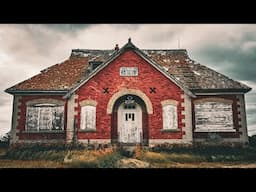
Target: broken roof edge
12 88
75 52
244 87
44 92
224 91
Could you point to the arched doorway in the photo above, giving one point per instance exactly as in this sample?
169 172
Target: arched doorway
129 121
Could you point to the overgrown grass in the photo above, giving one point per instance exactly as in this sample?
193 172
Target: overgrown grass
55 152
104 161
161 155
210 153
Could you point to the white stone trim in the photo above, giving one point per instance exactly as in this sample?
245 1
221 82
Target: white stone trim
88 102
171 141
95 141
214 130
45 100
169 102
15 119
70 117
188 119
125 91
243 121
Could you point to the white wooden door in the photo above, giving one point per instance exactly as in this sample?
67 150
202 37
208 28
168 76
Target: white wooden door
130 124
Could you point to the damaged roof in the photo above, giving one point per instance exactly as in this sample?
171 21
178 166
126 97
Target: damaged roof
176 63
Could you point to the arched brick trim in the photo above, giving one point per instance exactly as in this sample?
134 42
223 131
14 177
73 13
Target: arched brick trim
123 92
88 102
169 102
44 100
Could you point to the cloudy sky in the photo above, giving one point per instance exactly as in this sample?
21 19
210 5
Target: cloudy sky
25 49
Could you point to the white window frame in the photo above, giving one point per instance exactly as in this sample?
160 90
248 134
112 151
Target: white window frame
88 118
170 115
217 127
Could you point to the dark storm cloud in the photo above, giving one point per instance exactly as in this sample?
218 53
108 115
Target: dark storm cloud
233 61
237 59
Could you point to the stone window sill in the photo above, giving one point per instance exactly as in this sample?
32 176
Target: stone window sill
45 131
170 130
87 131
215 130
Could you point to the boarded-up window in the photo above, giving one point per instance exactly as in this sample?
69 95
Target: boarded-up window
170 117
88 117
45 117
214 116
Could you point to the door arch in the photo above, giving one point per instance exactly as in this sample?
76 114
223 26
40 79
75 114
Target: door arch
129 124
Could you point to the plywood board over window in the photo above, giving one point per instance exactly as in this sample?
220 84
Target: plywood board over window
213 115
45 117
88 118
170 117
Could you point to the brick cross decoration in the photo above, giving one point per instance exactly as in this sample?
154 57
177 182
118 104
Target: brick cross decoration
105 90
152 90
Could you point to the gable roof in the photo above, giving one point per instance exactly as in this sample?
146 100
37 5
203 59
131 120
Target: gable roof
128 46
68 76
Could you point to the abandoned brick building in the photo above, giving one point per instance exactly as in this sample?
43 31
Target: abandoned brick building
129 96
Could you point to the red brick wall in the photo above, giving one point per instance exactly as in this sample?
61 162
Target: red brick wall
148 77
22 120
235 118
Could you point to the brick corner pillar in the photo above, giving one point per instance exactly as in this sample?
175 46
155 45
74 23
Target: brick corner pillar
15 119
242 119
71 113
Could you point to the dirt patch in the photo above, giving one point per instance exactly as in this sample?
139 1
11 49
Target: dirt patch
132 163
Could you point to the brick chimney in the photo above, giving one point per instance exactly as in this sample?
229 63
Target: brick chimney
116 47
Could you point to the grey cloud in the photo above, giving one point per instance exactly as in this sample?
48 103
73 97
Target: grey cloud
127 26
24 42
232 61
69 28
62 28
5 100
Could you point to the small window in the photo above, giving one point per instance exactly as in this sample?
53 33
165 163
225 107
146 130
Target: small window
130 106
170 117
88 118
